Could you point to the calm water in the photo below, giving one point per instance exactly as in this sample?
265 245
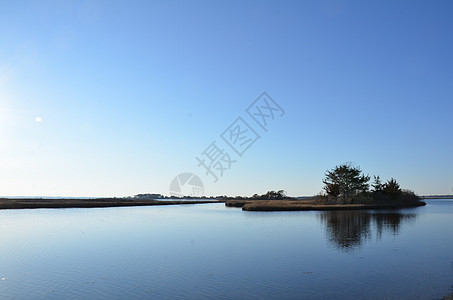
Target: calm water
210 251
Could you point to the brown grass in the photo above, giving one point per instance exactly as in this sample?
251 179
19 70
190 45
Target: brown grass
7 203
304 205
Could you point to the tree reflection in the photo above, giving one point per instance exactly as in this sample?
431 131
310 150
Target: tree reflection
348 230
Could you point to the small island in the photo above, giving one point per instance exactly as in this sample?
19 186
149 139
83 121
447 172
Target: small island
345 188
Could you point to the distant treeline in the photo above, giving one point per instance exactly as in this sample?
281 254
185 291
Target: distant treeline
162 197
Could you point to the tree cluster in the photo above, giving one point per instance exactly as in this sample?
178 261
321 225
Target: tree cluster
346 184
271 195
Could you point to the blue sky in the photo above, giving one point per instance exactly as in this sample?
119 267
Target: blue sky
129 92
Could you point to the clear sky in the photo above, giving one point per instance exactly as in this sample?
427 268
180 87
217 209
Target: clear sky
116 98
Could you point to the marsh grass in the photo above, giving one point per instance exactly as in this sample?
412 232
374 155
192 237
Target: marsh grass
317 204
8 203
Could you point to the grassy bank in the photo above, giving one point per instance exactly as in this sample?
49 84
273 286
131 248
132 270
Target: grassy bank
8 203
304 205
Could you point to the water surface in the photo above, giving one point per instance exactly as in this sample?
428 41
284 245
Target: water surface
210 251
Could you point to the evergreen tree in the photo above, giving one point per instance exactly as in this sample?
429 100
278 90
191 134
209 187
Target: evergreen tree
377 184
345 181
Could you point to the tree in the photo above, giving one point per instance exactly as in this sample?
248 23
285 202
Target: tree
392 189
345 181
332 189
281 194
377 184
274 195
271 195
391 186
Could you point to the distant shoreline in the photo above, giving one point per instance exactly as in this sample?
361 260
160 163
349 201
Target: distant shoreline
437 197
30 203
245 204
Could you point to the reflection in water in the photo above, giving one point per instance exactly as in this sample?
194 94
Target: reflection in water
348 230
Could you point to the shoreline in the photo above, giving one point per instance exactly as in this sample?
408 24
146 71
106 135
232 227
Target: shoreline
307 205
246 205
32 203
